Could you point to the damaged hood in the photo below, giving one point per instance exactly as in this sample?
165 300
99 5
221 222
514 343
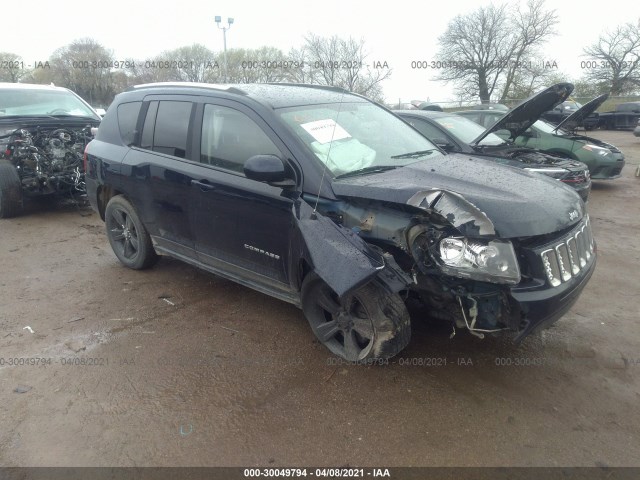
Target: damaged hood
520 118
516 203
572 121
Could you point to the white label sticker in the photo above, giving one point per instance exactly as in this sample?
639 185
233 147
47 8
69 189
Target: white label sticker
325 131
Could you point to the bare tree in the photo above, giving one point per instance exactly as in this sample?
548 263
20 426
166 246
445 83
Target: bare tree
191 63
617 57
12 67
588 90
262 65
84 66
532 27
342 62
483 52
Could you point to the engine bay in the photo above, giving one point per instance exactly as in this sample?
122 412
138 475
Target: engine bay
49 159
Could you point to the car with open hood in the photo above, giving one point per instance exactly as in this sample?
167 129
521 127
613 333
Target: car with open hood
324 199
43 133
522 127
565 109
454 133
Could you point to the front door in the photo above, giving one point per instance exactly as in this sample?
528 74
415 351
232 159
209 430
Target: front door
241 225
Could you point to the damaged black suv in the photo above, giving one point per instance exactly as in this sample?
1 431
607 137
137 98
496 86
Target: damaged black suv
328 201
43 133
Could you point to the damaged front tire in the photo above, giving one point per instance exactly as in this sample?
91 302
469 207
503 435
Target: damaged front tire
367 324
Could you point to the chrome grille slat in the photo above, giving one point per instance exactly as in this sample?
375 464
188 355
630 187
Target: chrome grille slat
573 255
569 256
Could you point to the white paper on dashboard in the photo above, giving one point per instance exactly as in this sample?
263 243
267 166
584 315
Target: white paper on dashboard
325 131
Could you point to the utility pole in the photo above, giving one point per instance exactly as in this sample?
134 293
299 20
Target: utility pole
224 40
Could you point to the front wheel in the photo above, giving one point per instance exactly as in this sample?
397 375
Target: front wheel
367 324
10 190
128 238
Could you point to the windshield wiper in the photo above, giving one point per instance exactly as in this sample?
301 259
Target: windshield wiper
420 153
365 170
30 115
67 115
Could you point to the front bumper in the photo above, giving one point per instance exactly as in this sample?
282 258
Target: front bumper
542 306
608 171
558 271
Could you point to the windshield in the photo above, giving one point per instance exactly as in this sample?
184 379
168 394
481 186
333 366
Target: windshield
546 127
353 137
25 102
467 130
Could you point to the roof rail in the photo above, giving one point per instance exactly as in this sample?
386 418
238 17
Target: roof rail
310 85
209 86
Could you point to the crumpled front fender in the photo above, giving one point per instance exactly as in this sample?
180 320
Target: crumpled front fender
341 258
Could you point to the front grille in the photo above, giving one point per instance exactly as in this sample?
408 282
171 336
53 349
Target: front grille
570 256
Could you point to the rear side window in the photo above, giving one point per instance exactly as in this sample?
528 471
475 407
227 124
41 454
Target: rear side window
127 121
172 127
166 127
230 137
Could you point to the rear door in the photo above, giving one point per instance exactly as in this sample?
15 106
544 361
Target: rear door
158 172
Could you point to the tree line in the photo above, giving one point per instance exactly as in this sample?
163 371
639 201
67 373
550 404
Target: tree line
97 75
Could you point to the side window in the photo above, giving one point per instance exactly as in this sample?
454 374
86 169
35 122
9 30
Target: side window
172 127
127 120
230 137
426 129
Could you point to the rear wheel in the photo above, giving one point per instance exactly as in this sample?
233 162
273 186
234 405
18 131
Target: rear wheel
10 190
367 324
128 238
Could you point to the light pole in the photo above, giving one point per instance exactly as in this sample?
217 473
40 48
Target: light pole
224 39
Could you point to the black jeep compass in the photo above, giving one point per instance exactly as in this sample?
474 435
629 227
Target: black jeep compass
326 200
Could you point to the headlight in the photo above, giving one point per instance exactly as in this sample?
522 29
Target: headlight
493 261
556 173
596 149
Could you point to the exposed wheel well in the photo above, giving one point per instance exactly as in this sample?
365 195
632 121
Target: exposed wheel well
105 193
303 270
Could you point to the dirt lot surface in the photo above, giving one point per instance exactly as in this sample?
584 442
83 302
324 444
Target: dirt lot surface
173 366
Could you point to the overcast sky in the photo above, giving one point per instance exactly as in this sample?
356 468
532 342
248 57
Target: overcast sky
399 33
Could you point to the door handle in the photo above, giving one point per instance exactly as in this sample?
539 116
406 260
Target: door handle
204 185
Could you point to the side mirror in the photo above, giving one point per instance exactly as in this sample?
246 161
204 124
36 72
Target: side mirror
265 168
444 145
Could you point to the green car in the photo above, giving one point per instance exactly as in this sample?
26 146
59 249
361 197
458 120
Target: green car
604 160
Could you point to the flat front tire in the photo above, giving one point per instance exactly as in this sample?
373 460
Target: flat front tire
127 235
367 324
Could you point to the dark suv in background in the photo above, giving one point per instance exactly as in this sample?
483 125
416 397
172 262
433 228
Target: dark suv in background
324 199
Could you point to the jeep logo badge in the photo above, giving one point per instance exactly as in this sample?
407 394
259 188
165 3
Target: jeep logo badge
573 214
